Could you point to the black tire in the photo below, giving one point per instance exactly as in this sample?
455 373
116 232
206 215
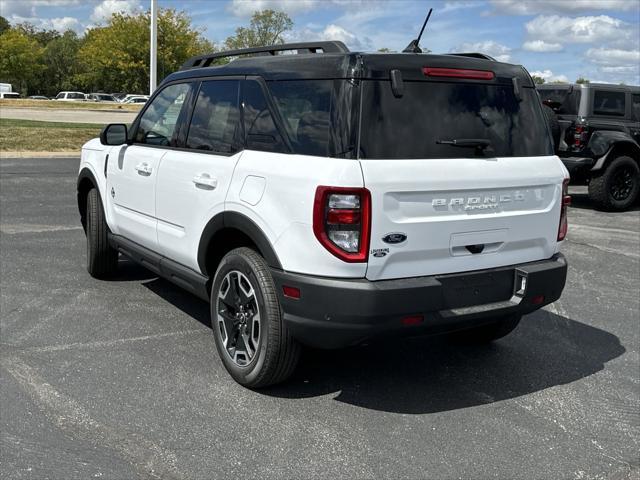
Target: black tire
276 352
102 259
488 332
554 125
616 188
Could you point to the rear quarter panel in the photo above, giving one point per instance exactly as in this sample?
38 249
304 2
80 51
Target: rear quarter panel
284 210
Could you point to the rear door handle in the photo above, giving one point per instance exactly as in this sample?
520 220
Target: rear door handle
143 169
204 180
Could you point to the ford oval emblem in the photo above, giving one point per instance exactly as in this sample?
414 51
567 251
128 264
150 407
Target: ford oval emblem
394 238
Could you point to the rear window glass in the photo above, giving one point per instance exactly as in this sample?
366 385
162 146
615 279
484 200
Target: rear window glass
563 101
608 103
430 112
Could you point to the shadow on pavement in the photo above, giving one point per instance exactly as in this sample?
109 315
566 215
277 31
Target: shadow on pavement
427 375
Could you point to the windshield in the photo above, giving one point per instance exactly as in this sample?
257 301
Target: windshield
563 101
429 116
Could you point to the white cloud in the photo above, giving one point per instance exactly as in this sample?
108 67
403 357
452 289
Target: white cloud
63 24
549 76
11 8
616 64
501 53
331 32
592 29
521 7
106 8
541 46
607 56
336 32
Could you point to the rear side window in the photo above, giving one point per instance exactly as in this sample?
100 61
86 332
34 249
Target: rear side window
305 108
608 103
563 100
429 112
215 117
260 129
635 111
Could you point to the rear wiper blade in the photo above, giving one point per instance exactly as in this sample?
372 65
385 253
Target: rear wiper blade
481 143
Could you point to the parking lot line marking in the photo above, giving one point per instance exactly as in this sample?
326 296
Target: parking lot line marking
145 456
27 228
107 343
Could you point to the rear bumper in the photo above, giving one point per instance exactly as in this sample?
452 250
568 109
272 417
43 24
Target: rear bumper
333 313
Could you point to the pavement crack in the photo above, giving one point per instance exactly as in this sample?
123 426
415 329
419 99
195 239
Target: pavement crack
148 458
99 344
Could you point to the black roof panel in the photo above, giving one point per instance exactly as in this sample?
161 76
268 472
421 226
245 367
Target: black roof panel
347 65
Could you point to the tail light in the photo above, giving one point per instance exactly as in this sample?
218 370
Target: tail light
566 201
342 220
580 136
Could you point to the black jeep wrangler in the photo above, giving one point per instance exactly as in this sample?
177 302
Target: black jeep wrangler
597 135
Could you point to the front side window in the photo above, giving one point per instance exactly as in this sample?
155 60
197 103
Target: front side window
60 95
158 122
215 117
260 129
608 103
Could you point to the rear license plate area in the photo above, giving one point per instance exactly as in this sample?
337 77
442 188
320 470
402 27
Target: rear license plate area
464 290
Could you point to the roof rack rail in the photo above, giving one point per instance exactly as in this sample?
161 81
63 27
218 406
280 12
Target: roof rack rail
474 55
202 61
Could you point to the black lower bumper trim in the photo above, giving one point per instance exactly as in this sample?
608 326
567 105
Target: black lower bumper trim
576 164
332 313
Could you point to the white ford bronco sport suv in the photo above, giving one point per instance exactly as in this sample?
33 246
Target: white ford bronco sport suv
328 197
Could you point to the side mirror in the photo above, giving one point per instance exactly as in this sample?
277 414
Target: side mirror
114 134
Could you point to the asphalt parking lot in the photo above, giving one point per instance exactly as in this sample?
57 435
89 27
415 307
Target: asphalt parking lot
120 379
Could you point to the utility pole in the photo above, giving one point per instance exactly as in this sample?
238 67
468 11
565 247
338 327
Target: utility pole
153 79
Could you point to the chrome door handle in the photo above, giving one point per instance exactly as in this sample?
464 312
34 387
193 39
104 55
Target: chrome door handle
144 169
204 180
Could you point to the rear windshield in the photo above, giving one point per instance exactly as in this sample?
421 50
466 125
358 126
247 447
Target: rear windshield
563 101
428 112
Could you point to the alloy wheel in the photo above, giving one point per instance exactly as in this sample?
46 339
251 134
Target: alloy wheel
621 183
238 318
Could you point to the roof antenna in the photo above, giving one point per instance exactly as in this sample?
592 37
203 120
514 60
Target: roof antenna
414 46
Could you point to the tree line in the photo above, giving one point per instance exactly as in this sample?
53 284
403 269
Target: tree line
115 57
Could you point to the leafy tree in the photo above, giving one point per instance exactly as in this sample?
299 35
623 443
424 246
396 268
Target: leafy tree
42 36
581 80
59 59
266 28
384 50
537 80
4 25
116 56
20 62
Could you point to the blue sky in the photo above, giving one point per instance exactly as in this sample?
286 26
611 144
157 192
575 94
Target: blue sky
557 39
